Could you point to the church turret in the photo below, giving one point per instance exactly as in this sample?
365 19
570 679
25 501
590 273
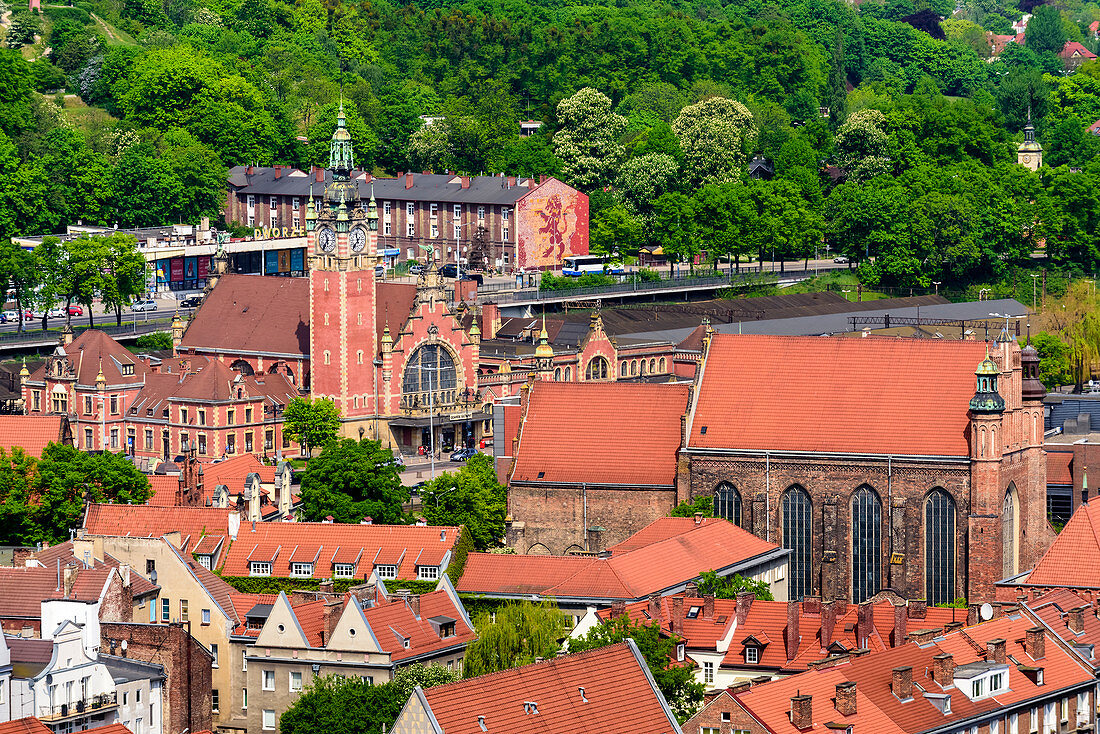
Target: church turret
177 331
100 380
1030 153
544 354
1033 388
311 212
986 399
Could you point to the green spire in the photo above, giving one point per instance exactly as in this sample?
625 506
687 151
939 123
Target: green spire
341 158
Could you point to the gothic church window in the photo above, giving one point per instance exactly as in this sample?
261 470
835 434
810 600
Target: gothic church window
797 537
1009 511
727 503
939 550
866 544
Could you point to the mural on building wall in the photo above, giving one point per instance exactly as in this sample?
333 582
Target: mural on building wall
552 224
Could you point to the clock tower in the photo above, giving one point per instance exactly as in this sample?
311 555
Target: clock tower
1030 152
342 242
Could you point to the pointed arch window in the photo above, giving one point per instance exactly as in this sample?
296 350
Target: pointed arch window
430 368
797 537
727 503
597 369
866 544
1008 533
939 550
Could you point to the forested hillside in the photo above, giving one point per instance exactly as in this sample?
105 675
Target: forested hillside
130 111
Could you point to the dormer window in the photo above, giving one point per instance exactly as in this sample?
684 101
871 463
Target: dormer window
386 571
447 630
982 679
693 612
752 655
427 573
301 570
259 568
343 570
127 370
680 652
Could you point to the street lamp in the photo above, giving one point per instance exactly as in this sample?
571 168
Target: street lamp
982 292
937 284
846 291
1034 290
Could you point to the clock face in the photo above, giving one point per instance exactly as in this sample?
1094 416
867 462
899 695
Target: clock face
326 238
358 239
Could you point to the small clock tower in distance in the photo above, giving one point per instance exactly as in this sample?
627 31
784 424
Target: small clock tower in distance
342 237
1030 152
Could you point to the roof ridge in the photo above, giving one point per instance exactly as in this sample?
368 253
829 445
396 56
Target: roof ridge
545 663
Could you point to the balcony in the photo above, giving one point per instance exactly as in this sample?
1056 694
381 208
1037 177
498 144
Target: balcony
440 402
92 706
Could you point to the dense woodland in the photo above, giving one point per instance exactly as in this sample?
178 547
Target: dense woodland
130 111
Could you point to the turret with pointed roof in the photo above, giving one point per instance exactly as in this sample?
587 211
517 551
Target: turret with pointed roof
1030 152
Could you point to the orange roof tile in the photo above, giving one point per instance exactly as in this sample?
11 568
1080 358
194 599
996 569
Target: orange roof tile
1053 607
835 394
115 728
92 350
1059 467
28 725
1061 564
253 314
601 433
661 564
29 432
606 689
149 521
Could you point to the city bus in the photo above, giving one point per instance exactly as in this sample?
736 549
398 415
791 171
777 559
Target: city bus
581 264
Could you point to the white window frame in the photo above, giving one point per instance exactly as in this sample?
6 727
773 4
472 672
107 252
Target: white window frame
259 568
427 573
386 571
206 614
214 652
267 680
301 570
251 201
296 203
708 672
410 210
268 720
343 570
752 655
481 212
291 681
457 211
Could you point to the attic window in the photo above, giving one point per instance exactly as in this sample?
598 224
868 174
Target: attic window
127 370
703 430
693 612
752 655
542 474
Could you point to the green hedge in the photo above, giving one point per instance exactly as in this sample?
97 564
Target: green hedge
78 14
463 547
415 587
272 585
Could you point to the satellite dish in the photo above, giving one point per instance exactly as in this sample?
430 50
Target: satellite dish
986 612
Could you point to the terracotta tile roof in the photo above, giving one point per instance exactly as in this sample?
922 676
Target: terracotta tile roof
660 529
601 433
1094 128
149 521
395 303
1061 564
407 545
620 697
115 728
835 394
253 314
1053 608
242 604
164 487
634 574
1059 467
880 711
93 348
29 725
91 585
29 432
25 588
1073 49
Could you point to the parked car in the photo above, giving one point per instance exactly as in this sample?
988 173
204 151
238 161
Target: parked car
56 313
416 269
147 305
76 310
191 302
450 270
379 271
841 259
463 454
8 317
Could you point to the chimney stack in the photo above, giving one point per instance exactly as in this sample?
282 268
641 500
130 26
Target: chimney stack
1035 643
846 698
828 622
69 579
408 180
811 604
996 650
618 609
972 616
918 608
465 182
865 624
413 600
744 604
329 618
802 712
943 669
791 636
655 607
677 614
901 624
691 590
901 682
708 606
320 174
1075 618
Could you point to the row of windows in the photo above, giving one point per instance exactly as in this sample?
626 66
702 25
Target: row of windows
866 539
341 570
387 208
633 367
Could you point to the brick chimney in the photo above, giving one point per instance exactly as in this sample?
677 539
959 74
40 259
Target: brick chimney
655 607
846 698
618 609
811 604
465 182
1035 643
802 712
326 587
996 650
744 604
918 608
408 180
972 614
1075 618
330 616
69 579
691 590
677 614
320 174
865 623
901 624
278 172
511 181
708 606
791 636
413 600
490 320
828 622
901 682
943 669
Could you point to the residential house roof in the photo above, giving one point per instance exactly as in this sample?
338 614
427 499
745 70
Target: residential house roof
28 725
1057 609
836 395
1059 467
252 314
663 563
606 689
879 710
150 521
1061 564
30 432
1074 50
93 350
601 433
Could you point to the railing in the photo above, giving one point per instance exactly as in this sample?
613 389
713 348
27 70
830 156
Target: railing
77 708
424 402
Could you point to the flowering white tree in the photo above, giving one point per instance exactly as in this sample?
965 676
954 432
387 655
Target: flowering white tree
713 136
587 140
641 180
430 146
862 145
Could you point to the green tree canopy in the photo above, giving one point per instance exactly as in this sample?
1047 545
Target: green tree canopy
587 141
517 634
472 497
351 480
310 422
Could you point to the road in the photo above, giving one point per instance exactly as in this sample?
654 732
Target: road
166 307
